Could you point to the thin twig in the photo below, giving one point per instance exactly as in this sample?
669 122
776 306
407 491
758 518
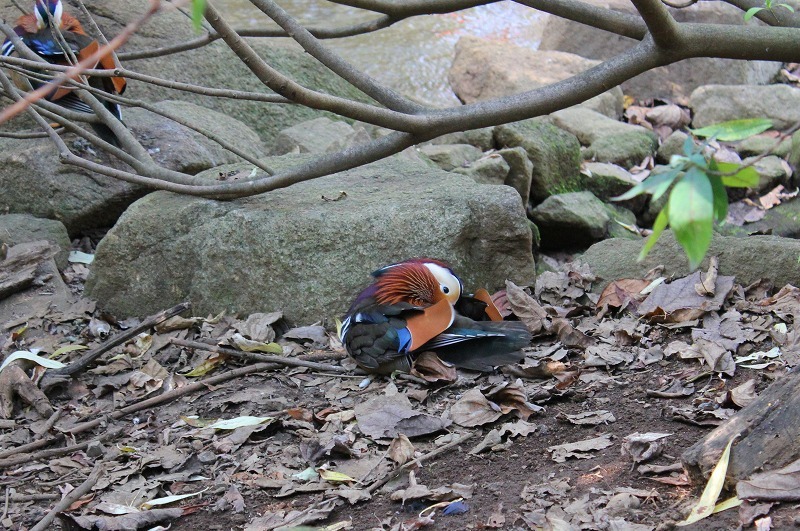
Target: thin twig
21 498
70 498
5 506
174 395
335 62
23 135
286 362
54 452
679 5
89 358
362 28
324 355
47 426
417 462
31 446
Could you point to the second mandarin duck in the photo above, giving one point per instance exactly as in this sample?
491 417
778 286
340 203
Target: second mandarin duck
40 30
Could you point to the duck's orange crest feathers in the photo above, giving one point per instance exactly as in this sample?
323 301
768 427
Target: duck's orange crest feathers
410 282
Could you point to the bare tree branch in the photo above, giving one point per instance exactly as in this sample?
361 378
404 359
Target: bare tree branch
335 63
625 24
660 24
662 41
411 8
299 94
681 5
320 33
75 71
28 66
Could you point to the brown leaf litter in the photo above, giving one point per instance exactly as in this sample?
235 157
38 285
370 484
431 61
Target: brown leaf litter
263 426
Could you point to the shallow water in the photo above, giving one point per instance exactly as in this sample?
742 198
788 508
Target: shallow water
412 56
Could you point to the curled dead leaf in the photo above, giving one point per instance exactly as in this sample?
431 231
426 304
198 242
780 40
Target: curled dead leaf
526 308
621 293
400 450
431 368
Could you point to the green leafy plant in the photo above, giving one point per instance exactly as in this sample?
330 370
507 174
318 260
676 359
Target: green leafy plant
696 185
768 5
198 8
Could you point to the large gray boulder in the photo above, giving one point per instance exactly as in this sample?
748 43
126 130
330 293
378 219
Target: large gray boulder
718 103
675 81
33 181
485 69
490 169
780 220
451 156
794 154
299 251
482 138
745 258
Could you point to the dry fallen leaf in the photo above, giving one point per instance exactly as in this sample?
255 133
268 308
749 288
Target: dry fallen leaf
591 418
431 368
580 449
621 293
526 308
385 417
773 485
642 446
678 301
400 450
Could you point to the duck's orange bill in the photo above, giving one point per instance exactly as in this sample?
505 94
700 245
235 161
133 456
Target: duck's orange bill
491 310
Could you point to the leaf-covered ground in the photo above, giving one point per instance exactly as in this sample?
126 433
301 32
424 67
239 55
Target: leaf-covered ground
587 433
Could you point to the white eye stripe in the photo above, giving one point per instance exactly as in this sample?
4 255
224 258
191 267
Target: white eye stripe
445 278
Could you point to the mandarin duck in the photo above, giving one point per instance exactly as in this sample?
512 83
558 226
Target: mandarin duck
417 305
40 32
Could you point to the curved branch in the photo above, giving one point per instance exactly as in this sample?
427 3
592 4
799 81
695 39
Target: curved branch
659 22
752 43
362 28
681 5
26 135
540 101
619 23
75 71
67 118
544 100
336 63
302 95
324 165
131 74
410 8
63 115
207 134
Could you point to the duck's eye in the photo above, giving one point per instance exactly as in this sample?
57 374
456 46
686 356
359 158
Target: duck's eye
445 290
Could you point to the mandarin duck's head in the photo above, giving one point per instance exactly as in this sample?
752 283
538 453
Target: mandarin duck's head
48 13
418 281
